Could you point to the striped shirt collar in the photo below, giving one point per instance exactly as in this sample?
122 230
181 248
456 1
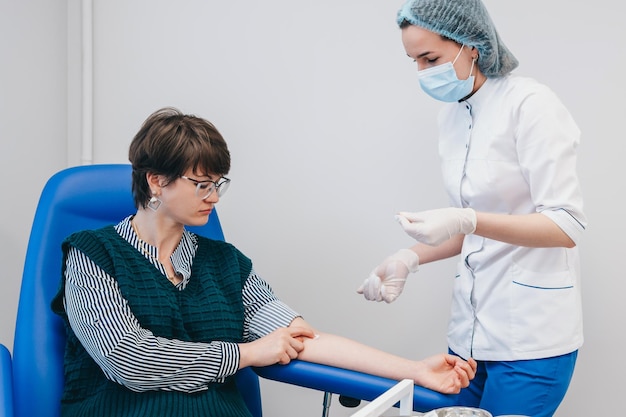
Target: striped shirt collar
183 255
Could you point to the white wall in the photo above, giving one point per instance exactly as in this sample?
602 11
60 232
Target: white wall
330 136
33 129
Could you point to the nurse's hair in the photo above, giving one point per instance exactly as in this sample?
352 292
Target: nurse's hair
169 143
466 22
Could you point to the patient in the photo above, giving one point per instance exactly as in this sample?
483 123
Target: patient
159 319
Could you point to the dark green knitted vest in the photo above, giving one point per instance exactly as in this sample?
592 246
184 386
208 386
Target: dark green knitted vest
209 308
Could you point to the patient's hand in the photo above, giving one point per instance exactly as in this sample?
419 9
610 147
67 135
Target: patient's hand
446 373
280 346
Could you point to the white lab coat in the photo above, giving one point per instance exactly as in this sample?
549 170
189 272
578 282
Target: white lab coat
511 148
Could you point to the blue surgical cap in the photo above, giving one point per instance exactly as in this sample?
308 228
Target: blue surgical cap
466 22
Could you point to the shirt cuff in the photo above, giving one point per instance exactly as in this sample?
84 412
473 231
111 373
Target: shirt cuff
232 358
573 227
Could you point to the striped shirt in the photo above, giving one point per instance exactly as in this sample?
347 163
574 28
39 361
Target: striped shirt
134 357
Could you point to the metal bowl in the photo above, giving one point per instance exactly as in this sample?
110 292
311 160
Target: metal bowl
458 412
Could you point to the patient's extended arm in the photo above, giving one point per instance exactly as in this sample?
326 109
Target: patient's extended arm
444 373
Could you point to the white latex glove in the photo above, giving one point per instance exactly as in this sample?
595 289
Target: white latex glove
433 227
386 281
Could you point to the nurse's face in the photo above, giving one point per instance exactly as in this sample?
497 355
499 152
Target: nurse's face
429 49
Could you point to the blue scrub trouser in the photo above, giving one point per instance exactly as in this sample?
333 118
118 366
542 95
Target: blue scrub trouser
533 388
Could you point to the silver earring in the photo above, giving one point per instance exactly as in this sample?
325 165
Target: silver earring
154 203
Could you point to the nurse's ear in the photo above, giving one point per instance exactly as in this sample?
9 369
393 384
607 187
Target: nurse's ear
474 53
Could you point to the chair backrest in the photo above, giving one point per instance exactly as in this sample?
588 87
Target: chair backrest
78 198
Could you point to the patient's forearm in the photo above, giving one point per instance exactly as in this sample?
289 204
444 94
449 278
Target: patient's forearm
444 373
333 350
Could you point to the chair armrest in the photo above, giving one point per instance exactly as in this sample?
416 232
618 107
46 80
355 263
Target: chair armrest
348 383
6 383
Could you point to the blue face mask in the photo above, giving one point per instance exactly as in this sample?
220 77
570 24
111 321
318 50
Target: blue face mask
441 82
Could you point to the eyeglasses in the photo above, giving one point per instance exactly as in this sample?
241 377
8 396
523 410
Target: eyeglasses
205 188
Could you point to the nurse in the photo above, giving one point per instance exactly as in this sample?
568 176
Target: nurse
507 147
